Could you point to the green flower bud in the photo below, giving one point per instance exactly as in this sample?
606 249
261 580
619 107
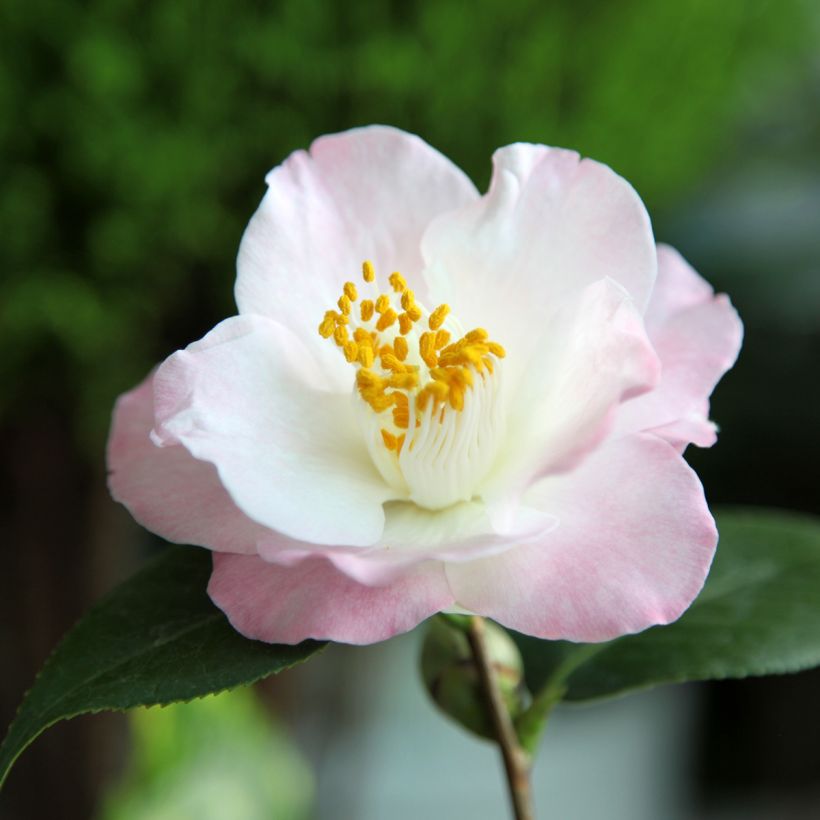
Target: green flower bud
452 679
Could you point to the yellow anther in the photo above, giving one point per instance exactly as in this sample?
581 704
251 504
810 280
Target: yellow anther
438 316
472 355
387 318
381 402
436 390
405 324
340 335
401 417
328 325
403 381
408 298
427 349
456 397
384 378
366 356
398 282
367 309
367 379
401 347
351 351
389 361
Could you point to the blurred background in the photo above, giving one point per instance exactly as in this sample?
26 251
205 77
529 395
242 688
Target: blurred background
134 138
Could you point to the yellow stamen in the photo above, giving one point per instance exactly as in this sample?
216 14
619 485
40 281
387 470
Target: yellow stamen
438 316
389 361
351 351
389 439
366 356
328 325
427 349
442 338
408 298
456 397
387 376
398 282
340 335
405 324
387 318
367 309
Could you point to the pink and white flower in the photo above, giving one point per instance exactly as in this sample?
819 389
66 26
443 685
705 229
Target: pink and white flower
490 418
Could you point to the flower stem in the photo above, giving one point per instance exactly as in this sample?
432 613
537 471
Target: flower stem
517 762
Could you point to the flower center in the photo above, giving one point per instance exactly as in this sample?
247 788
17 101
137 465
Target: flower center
428 404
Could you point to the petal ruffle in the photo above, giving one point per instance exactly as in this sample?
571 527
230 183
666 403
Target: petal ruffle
632 549
249 399
167 490
413 536
312 599
550 224
367 193
697 336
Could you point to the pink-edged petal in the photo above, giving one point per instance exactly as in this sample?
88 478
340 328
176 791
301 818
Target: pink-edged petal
550 224
312 599
249 399
677 287
632 549
594 354
367 193
167 490
697 336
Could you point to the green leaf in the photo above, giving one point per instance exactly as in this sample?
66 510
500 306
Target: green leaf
155 639
758 614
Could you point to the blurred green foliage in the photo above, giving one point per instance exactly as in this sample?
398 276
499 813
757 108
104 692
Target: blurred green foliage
210 759
134 139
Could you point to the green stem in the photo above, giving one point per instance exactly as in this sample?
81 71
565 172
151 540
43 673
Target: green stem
517 762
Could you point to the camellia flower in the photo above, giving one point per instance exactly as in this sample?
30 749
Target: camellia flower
436 400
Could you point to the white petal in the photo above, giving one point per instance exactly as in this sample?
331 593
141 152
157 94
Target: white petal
363 194
250 399
550 224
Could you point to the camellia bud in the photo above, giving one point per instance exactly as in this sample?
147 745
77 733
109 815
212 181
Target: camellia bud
452 679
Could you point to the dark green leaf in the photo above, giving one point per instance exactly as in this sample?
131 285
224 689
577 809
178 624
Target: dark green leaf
758 614
155 639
